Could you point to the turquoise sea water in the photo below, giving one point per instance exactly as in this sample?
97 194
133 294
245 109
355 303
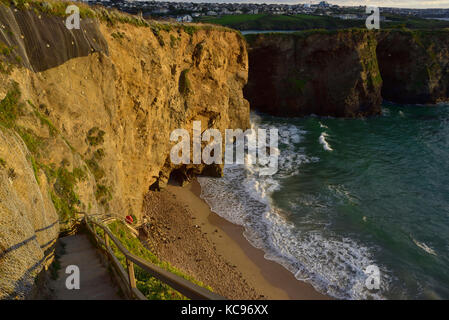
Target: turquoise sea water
351 193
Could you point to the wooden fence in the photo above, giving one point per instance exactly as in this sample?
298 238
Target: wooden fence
185 287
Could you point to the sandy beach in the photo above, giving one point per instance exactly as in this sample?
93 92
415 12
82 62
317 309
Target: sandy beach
189 235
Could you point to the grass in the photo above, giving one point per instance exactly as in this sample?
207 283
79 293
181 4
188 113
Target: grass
95 168
99 154
103 194
64 196
307 22
32 141
157 33
50 7
55 267
282 22
45 121
10 106
190 29
12 174
253 37
118 35
7 57
95 136
151 287
35 167
79 174
173 41
297 84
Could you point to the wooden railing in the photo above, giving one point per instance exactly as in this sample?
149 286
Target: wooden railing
185 287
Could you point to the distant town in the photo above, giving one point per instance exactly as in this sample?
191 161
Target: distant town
191 11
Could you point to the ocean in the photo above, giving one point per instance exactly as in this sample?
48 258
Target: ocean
350 193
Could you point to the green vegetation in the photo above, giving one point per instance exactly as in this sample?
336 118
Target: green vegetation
10 106
95 168
118 35
55 267
50 7
79 174
253 37
173 41
2 163
61 180
11 174
64 196
99 154
307 22
157 33
56 264
297 84
7 58
45 121
32 141
35 167
148 285
103 194
95 136
184 83
282 22
190 29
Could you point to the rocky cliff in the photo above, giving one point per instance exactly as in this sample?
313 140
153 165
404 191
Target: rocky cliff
85 118
318 72
414 65
346 73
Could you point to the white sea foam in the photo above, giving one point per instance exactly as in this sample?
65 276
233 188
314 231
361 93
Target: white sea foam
332 264
323 141
323 126
424 247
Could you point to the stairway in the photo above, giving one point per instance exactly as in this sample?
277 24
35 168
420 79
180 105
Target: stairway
95 280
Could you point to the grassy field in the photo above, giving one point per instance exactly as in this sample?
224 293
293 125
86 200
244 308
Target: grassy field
281 22
307 22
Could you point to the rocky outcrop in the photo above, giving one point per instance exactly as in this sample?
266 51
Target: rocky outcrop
87 126
414 65
346 73
323 73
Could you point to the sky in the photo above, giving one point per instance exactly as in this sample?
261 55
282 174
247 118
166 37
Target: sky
380 3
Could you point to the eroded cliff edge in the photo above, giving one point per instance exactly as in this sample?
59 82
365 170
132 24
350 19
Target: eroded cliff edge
346 73
414 65
324 73
85 118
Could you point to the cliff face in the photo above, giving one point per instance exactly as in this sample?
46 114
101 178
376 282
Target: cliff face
28 220
323 73
86 116
414 66
346 73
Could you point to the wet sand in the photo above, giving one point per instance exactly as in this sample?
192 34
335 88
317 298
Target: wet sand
268 278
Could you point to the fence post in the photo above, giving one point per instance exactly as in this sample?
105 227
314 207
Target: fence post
131 275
